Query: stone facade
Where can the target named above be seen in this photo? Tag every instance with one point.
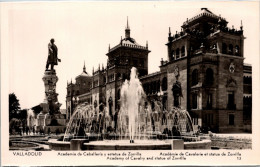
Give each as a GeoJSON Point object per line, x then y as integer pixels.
{"type": "Point", "coordinates": [204, 74]}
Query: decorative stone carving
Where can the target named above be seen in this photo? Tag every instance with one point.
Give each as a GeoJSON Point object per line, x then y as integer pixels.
{"type": "Point", "coordinates": [231, 67]}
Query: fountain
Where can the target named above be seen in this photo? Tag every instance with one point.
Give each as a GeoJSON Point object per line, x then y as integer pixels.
{"type": "Point", "coordinates": [146, 127]}
{"type": "Point", "coordinates": [31, 120]}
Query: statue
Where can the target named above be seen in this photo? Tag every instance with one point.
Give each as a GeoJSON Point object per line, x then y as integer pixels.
{"type": "Point", "coordinates": [52, 55]}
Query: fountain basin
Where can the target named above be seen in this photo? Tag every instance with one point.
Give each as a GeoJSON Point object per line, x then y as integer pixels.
{"type": "Point", "coordinates": [170, 144]}
{"type": "Point", "coordinates": [126, 145]}
{"type": "Point", "coordinates": [54, 144]}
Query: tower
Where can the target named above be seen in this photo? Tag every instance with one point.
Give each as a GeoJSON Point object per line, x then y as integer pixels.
{"type": "Point", "coordinates": [208, 58]}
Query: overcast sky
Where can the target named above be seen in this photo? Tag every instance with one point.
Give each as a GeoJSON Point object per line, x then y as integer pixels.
{"type": "Point", "coordinates": [83, 31]}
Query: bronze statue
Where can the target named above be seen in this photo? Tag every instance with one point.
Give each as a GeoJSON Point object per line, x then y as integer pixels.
{"type": "Point", "coordinates": [52, 55]}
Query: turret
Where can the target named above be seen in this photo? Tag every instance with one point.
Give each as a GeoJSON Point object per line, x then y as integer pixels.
{"type": "Point", "coordinates": [127, 30]}
{"type": "Point", "coordinates": [84, 68]}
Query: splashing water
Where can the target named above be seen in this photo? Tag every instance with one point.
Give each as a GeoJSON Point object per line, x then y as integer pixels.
{"type": "Point", "coordinates": [132, 96]}
{"type": "Point", "coordinates": [31, 121]}
{"type": "Point", "coordinates": [135, 120]}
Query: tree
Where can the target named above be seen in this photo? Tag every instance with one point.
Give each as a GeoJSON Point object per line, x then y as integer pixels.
{"type": "Point", "coordinates": [22, 115]}
{"type": "Point", "coordinates": [14, 106]}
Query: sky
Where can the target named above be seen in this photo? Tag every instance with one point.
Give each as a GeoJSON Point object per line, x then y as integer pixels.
{"type": "Point", "coordinates": [84, 30]}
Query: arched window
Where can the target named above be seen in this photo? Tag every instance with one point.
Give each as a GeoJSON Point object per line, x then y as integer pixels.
{"type": "Point", "coordinates": [230, 49]}
{"type": "Point", "coordinates": [164, 84]}
{"type": "Point", "coordinates": [150, 88]}
{"type": "Point", "coordinates": [158, 86]}
{"type": "Point", "coordinates": [154, 87]}
{"type": "Point", "coordinates": [237, 50]}
{"type": "Point", "coordinates": [194, 77]}
{"type": "Point", "coordinates": [182, 51]}
{"type": "Point", "coordinates": [224, 48]}
{"type": "Point", "coordinates": [177, 53]}
{"type": "Point", "coordinates": [177, 94]}
{"type": "Point", "coordinates": [209, 76]}
{"type": "Point", "coordinates": [194, 101]}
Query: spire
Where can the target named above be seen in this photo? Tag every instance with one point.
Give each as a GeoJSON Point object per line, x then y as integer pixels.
{"type": "Point", "coordinates": [147, 44]}
{"type": "Point", "coordinates": [127, 30]}
{"type": "Point", "coordinates": [169, 31]}
{"type": "Point", "coordinates": [93, 71]}
{"type": "Point", "coordinates": [109, 48]}
{"type": "Point", "coordinates": [127, 26]}
{"type": "Point", "coordinates": [84, 67]}
{"type": "Point", "coordinates": [71, 81]}
{"type": "Point", "coordinates": [241, 27]}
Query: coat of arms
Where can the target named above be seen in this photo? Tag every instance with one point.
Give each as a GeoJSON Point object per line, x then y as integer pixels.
{"type": "Point", "coordinates": [232, 67]}
{"type": "Point", "coordinates": [176, 71]}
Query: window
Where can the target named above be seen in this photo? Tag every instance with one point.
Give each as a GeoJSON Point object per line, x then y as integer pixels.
{"type": "Point", "coordinates": [194, 101]}
{"type": "Point", "coordinates": [209, 76]}
{"type": "Point", "coordinates": [195, 120]}
{"type": "Point", "coordinates": [153, 105]}
{"type": "Point", "coordinates": [231, 119]}
{"type": "Point", "coordinates": [141, 62]}
{"type": "Point", "coordinates": [164, 102]}
{"type": "Point", "coordinates": [224, 48]}
{"type": "Point", "coordinates": [231, 101]}
{"type": "Point", "coordinates": [182, 51]}
{"type": "Point", "coordinates": [177, 53]}
{"type": "Point", "coordinates": [158, 86]}
{"type": "Point", "coordinates": [111, 78]}
{"type": "Point", "coordinates": [230, 49]}
{"type": "Point", "coordinates": [164, 84]}
{"type": "Point", "coordinates": [209, 101]}
{"type": "Point", "coordinates": [194, 77]}
{"type": "Point", "coordinates": [209, 119]}
{"type": "Point", "coordinates": [118, 93]}
{"type": "Point", "coordinates": [154, 87]}
{"type": "Point", "coordinates": [118, 75]}
{"type": "Point", "coordinates": [95, 83]}
{"type": "Point", "coordinates": [135, 62]}
{"type": "Point", "coordinates": [177, 94]}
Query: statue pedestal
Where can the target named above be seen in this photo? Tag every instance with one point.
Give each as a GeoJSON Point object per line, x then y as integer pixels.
{"type": "Point", "coordinates": [50, 119]}
{"type": "Point", "coordinates": [50, 79]}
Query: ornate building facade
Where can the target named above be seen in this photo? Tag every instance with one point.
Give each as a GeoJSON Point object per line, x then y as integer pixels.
{"type": "Point", "coordinates": [204, 74]}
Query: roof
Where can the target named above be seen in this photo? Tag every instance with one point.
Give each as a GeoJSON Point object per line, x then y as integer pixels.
{"type": "Point", "coordinates": [205, 11]}
{"type": "Point", "coordinates": [83, 74]}
{"type": "Point", "coordinates": [201, 13]}
{"type": "Point", "coordinates": [150, 75]}
{"type": "Point", "coordinates": [128, 42]}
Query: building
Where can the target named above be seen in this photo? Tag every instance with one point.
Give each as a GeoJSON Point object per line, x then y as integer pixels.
{"type": "Point", "coordinates": [204, 74]}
